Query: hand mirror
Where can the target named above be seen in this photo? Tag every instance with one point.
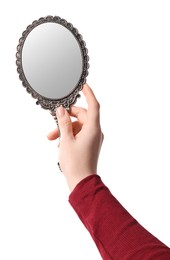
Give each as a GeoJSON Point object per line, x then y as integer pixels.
{"type": "Point", "coordinates": [52, 62]}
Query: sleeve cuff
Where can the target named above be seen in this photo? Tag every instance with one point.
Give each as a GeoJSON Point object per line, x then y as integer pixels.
{"type": "Point", "coordinates": [84, 186]}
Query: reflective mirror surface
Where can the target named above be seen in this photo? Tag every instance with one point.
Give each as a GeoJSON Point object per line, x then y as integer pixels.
{"type": "Point", "coordinates": [52, 60]}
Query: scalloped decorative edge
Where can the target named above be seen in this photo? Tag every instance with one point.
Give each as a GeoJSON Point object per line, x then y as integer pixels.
{"type": "Point", "coordinates": [70, 99]}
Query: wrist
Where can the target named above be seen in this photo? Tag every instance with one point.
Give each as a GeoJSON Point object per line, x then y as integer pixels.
{"type": "Point", "coordinates": [73, 181]}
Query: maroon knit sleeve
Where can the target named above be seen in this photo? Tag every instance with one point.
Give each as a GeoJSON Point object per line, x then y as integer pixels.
{"type": "Point", "coordinates": [116, 233]}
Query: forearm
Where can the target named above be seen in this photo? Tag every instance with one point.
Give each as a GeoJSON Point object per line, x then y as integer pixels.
{"type": "Point", "coordinates": [116, 233]}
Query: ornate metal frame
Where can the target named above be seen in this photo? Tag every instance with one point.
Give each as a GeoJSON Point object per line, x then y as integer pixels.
{"type": "Point", "coordinates": [71, 98]}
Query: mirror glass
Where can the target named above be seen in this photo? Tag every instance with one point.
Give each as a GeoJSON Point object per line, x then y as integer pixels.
{"type": "Point", "coordinates": [52, 62]}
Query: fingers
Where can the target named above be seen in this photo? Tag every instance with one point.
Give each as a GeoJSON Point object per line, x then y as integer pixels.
{"type": "Point", "coordinates": [69, 129]}
{"type": "Point", "coordinates": [76, 126]}
{"type": "Point", "coordinates": [53, 135]}
{"type": "Point", "coordinates": [93, 104]}
{"type": "Point", "coordinates": [64, 122]}
{"type": "Point", "coordinates": [78, 112]}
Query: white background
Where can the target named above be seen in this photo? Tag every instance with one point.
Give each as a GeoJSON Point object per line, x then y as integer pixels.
{"type": "Point", "coordinates": [129, 49]}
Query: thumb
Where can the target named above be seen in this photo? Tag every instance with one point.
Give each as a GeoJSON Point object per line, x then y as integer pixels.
{"type": "Point", "coordinates": [64, 122]}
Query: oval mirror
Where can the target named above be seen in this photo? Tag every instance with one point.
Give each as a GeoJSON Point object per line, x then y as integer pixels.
{"type": "Point", "coordinates": [52, 62]}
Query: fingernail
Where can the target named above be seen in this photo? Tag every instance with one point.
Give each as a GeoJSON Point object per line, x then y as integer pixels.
{"type": "Point", "coordinates": [60, 111]}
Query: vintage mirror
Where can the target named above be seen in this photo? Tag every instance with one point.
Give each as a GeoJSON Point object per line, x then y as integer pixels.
{"type": "Point", "coordinates": [52, 62]}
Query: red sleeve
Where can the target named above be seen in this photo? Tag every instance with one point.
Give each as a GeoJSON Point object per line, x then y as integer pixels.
{"type": "Point", "coordinates": [116, 233]}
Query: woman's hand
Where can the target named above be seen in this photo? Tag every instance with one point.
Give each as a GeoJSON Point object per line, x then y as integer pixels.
{"type": "Point", "coordinates": [80, 141]}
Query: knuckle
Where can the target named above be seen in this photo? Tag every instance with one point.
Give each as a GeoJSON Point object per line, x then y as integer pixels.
{"type": "Point", "coordinates": [96, 130]}
{"type": "Point", "coordinates": [66, 122]}
{"type": "Point", "coordinates": [102, 137]}
{"type": "Point", "coordinates": [97, 105]}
